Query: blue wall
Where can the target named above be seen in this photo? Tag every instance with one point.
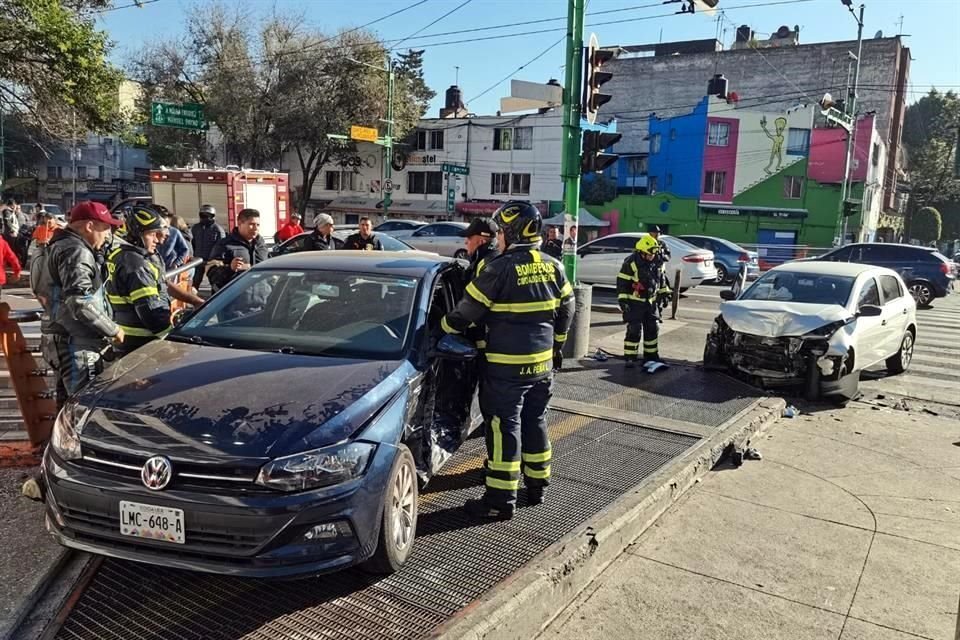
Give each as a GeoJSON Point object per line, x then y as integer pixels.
{"type": "Point", "coordinates": [682, 143]}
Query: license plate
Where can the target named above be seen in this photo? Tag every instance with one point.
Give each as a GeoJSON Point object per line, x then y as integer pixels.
{"type": "Point", "coordinates": [151, 522]}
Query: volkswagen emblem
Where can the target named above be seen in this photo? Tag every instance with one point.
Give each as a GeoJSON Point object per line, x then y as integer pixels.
{"type": "Point", "coordinates": [157, 473]}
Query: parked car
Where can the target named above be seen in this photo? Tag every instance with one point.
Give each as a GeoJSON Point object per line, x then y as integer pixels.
{"type": "Point", "coordinates": [28, 209]}
{"type": "Point", "coordinates": [601, 259]}
{"type": "Point", "coordinates": [391, 227]}
{"type": "Point", "coordinates": [815, 324]}
{"type": "Point", "coordinates": [928, 273]}
{"type": "Point", "coordinates": [272, 440]}
{"type": "Point", "coordinates": [728, 257]}
{"type": "Point", "coordinates": [438, 237]}
{"type": "Point", "coordinates": [296, 243]}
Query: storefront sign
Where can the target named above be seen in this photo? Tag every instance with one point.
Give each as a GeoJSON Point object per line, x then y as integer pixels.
{"type": "Point", "coordinates": [737, 212]}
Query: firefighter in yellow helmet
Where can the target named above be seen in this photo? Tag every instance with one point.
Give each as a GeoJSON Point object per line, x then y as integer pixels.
{"type": "Point", "coordinates": [638, 285]}
{"type": "Point", "coordinates": [136, 287]}
{"type": "Point", "coordinates": [525, 301]}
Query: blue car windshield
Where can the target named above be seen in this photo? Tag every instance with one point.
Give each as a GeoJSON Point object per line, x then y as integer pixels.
{"type": "Point", "coordinates": [312, 312]}
{"type": "Point", "coordinates": [809, 288]}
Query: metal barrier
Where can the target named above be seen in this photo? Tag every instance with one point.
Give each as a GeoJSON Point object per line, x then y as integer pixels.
{"type": "Point", "coordinates": [36, 402]}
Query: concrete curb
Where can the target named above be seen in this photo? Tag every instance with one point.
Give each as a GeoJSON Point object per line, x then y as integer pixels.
{"type": "Point", "coordinates": [521, 606]}
{"type": "Point", "coordinates": [35, 594]}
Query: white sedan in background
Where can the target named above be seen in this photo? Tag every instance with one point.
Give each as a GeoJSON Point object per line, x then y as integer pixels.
{"type": "Point", "coordinates": [600, 260]}
{"type": "Point", "coordinates": [439, 237]}
{"type": "Point", "coordinates": [817, 324]}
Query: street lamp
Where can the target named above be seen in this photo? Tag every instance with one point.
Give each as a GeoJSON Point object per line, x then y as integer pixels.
{"type": "Point", "coordinates": [845, 188]}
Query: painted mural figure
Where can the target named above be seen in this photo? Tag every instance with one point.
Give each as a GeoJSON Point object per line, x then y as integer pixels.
{"type": "Point", "coordinates": [776, 151]}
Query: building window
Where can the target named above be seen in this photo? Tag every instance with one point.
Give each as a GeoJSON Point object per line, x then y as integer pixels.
{"type": "Point", "coordinates": [637, 166]}
{"type": "Point", "coordinates": [876, 154]}
{"type": "Point", "coordinates": [53, 173]}
{"type": "Point", "coordinates": [351, 219]}
{"type": "Point", "coordinates": [521, 184]}
{"type": "Point", "coordinates": [420, 140]}
{"type": "Point", "coordinates": [517, 138]}
{"type": "Point", "coordinates": [500, 183]}
{"type": "Point", "coordinates": [81, 173]}
{"type": "Point", "coordinates": [652, 185]}
{"type": "Point", "coordinates": [715, 182]}
{"type": "Point", "coordinates": [436, 139]}
{"type": "Point", "coordinates": [669, 180]}
{"type": "Point", "coordinates": [425, 182]}
{"type": "Point", "coordinates": [655, 143]}
{"type": "Point", "coordinates": [718, 134]}
{"type": "Point", "coordinates": [792, 187]}
{"type": "Point", "coordinates": [340, 181]}
{"type": "Point", "coordinates": [673, 134]}
{"type": "Point", "coordinates": [101, 172]}
{"type": "Point", "coordinates": [798, 142]}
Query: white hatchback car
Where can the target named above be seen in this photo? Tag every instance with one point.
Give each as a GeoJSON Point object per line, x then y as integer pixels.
{"type": "Point", "coordinates": [818, 324]}
{"type": "Point", "coordinates": [600, 260]}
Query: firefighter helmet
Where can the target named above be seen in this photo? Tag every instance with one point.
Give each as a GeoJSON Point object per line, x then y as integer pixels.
{"type": "Point", "coordinates": [140, 220]}
{"type": "Point", "coordinates": [647, 244]}
{"type": "Point", "coordinates": [519, 221]}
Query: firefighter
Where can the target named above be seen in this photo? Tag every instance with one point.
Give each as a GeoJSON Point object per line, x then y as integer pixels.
{"type": "Point", "coordinates": [638, 286]}
{"type": "Point", "coordinates": [664, 292]}
{"type": "Point", "coordinates": [525, 301]}
{"type": "Point", "coordinates": [136, 287]}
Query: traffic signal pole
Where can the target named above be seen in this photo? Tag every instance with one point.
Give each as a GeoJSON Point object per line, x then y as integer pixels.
{"type": "Point", "coordinates": [572, 91]}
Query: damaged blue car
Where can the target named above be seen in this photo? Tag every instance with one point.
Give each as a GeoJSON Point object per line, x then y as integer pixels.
{"type": "Point", "coordinates": [283, 429]}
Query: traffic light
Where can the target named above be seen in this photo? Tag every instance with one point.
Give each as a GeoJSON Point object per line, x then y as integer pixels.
{"type": "Point", "coordinates": [850, 208]}
{"type": "Point", "coordinates": [594, 145]}
{"type": "Point", "coordinates": [593, 77]}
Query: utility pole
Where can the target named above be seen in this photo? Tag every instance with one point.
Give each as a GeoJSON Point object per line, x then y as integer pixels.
{"type": "Point", "coordinates": [73, 160]}
{"type": "Point", "coordinates": [851, 134]}
{"type": "Point", "coordinates": [572, 91]}
{"type": "Point", "coordinates": [387, 168]}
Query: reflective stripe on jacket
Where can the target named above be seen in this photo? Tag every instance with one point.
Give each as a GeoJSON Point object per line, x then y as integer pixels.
{"type": "Point", "coordinates": [138, 293]}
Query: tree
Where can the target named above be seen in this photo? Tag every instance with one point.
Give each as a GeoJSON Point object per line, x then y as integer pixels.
{"type": "Point", "coordinates": [927, 225]}
{"type": "Point", "coordinates": [409, 69]}
{"type": "Point", "coordinates": [930, 136]}
{"type": "Point", "coordinates": [54, 66]}
{"type": "Point", "coordinates": [598, 189]}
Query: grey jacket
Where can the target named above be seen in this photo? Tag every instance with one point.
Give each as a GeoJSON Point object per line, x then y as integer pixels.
{"type": "Point", "coordinates": [78, 298]}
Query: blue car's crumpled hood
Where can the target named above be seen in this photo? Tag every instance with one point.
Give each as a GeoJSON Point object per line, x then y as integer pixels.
{"type": "Point", "coordinates": [207, 402]}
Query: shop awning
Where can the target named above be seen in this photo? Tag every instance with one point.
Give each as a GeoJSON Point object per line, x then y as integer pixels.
{"type": "Point", "coordinates": [584, 219]}
{"type": "Point", "coordinates": [734, 211]}
{"type": "Point", "coordinates": [353, 204]}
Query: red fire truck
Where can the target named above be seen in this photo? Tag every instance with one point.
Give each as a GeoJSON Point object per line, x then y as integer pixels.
{"type": "Point", "coordinates": [229, 190]}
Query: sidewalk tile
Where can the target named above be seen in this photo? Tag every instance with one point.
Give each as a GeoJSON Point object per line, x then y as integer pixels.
{"type": "Point", "coordinates": [644, 600]}
{"type": "Point", "coordinates": [858, 630]}
{"type": "Point", "coordinates": [797, 557]}
{"type": "Point", "coordinates": [904, 586]}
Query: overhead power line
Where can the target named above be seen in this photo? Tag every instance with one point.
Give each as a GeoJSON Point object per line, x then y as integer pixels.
{"type": "Point", "coordinates": [455, 9]}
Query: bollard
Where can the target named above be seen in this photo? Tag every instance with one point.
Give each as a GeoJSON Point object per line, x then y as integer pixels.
{"type": "Point", "coordinates": [578, 338]}
{"type": "Point", "coordinates": [676, 295]}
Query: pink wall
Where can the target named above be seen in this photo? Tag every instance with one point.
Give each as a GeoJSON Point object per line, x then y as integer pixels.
{"type": "Point", "coordinates": [828, 148]}
{"type": "Point", "coordinates": [721, 159]}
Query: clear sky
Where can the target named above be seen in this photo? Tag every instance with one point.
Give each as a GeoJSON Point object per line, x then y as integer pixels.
{"type": "Point", "coordinates": [931, 27]}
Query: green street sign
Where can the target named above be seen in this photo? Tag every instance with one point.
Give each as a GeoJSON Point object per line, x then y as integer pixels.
{"type": "Point", "coordinates": [180, 116]}
{"type": "Point", "coordinates": [455, 169]}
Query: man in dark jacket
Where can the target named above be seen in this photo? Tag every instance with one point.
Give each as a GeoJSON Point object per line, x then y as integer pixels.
{"type": "Point", "coordinates": [206, 234]}
{"type": "Point", "coordinates": [481, 245]}
{"type": "Point", "coordinates": [553, 246]}
{"type": "Point", "coordinates": [240, 250]}
{"type": "Point", "coordinates": [80, 322]}
{"type": "Point", "coordinates": [365, 240]}
{"type": "Point", "coordinates": [322, 237]}
{"type": "Point", "coordinates": [527, 304]}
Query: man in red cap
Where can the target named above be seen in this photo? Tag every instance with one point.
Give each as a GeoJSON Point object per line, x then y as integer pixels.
{"type": "Point", "coordinates": [78, 322]}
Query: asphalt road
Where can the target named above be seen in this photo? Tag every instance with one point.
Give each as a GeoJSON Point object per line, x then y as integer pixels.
{"type": "Point", "coordinates": [932, 377]}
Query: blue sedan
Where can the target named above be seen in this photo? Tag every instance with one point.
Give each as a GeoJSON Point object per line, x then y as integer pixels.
{"type": "Point", "coordinates": [728, 257]}
{"type": "Point", "coordinates": [283, 429]}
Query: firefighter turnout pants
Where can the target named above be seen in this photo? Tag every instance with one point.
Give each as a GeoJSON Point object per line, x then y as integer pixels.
{"type": "Point", "coordinates": [515, 425]}
{"type": "Point", "coordinates": [642, 330]}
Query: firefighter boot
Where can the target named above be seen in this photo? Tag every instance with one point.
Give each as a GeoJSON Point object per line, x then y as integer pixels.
{"type": "Point", "coordinates": [480, 509]}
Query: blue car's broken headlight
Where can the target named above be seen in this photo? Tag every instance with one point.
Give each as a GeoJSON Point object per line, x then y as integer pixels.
{"type": "Point", "coordinates": [317, 468]}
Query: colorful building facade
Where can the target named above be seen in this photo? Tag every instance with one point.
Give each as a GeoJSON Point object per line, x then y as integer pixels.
{"type": "Point", "coordinates": [753, 177]}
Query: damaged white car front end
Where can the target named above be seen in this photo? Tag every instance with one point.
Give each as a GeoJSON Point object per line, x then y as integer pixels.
{"type": "Point", "coordinates": [780, 344]}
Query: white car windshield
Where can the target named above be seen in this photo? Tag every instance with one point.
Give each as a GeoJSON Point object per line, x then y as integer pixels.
{"type": "Point", "coordinates": [809, 288]}
{"type": "Point", "coordinates": [313, 312]}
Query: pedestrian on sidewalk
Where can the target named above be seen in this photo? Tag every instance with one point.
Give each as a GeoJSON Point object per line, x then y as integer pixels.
{"type": "Point", "coordinates": [525, 301]}
{"type": "Point", "coordinates": [8, 260]}
{"type": "Point", "coordinates": [638, 285]}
